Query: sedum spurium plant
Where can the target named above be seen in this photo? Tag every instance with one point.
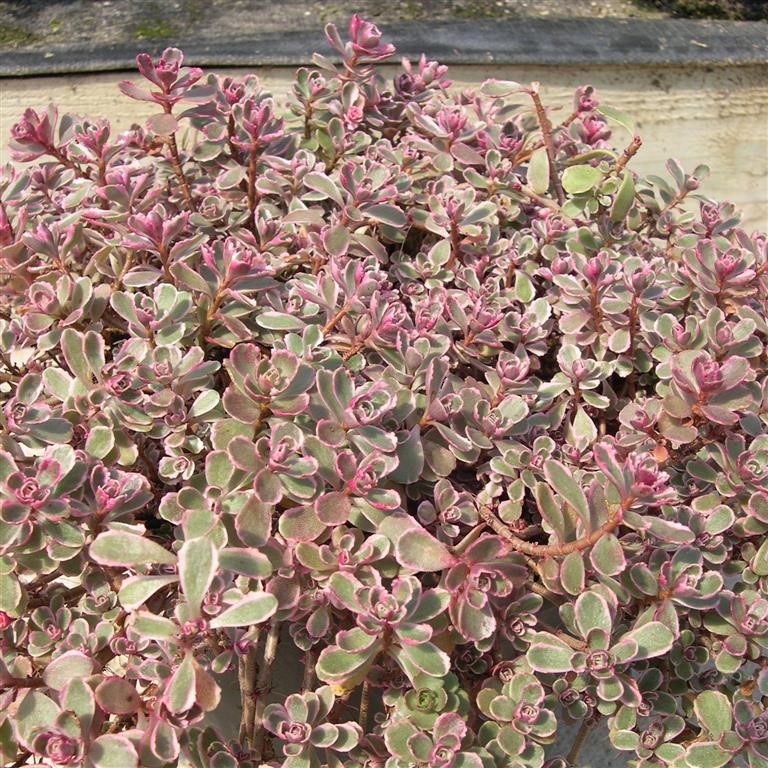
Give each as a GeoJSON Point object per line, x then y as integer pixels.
{"type": "Point", "coordinates": [426, 390]}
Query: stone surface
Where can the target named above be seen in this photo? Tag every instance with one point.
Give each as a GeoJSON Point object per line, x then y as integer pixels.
{"type": "Point", "coordinates": [43, 25]}
{"type": "Point", "coordinates": [40, 24]}
{"type": "Point", "coordinates": [557, 41]}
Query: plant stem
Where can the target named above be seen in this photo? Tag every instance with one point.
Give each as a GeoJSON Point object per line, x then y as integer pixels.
{"type": "Point", "coordinates": [213, 308]}
{"type": "Point", "coordinates": [548, 550]}
{"type": "Point", "coordinates": [68, 594]}
{"type": "Point", "coordinates": [262, 684]}
{"type": "Point", "coordinates": [331, 324]}
{"type": "Point", "coordinates": [546, 134]}
{"type": "Point", "coordinates": [231, 133]}
{"type": "Point", "coordinates": [474, 534]}
{"type": "Point", "coordinates": [263, 413]}
{"type": "Point", "coordinates": [539, 144]}
{"type": "Point", "coordinates": [629, 382]}
{"type": "Point", "coordinates": [247, 678]}
{"type": "Point", "coordinates": [455, 246]}
{"type": "Point", "coordinates": [25, 755]}
{"type": "Point", "coordinates": [21, 682]}
{"type": "Point", "coordinates": [252, 158]}
{"type": "Point", "coordinates": [164, 260]}
{"type": "Point", "coordinates": [578, 742]}
{"type": "Point", "coordinates": [308, 110]}
{"type": "Point", "coordinates": [61, 156]}
{"type": "Point", "coordinates": [177, 169]}
{"type": "Point", "coordinates": [365, 695]}
{"type": "Point", "coordinates": [628, 154]}
{"type": "Point", "coordinates": [354, 349]}
{"type": "Point", "coordinates": [309, 670]}
{"type": "Point", "coordinates": [339, 706]}
{"type": "Point", "coordinates": [546, 203]}
{"type": "Point", "coordinates": [7, 218]}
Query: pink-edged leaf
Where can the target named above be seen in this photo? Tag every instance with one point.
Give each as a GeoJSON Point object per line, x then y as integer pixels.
{"type": "Point", "coordinates": [207, 690]}
{"type": "Point", "coordinates": [179, 695]}
{"type": "Point", "coordinates": [134, 92]}
{"type": "Point", "coordinates": [112, 751]}
{"type": "Point", "coordinates": [564, 483]}
{"type": "Point", "coordinates": [69, 666]}
{"type": "Point", "coordinates": [122, 548]}
{"type": "Point", "coordinates": [644, 642]}
{"type": "Point", "coordinates": [117, 696]}
{"type": "Point", "coordinates": [252, 609]}
{"type": "Point", "coordinates": [267, 487]}
{"type": "Point", "coordinates": [198, 562]}
{"type": "Point", "coordinates": [301, 524]}
{"type": "Point", "coordinates": [333, 508]}
{"type": "Point", "coordinates": [415, 548]}
{"type": "Point", "coordinates": [246, 562]}
{"type": "Point", "coordinates": [162, 124]}
{"type": "Point", "coordinates": [547, 653]}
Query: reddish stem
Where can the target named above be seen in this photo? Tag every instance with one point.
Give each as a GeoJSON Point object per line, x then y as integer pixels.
{"type": "Point", "coordinates": [628, 154]}
{"type": "Point", "coordinates": [177, 169]}
{"type": "Point", "coordinates": [546, 133]}
{"type": "Point", "coordinates": [549, 550]}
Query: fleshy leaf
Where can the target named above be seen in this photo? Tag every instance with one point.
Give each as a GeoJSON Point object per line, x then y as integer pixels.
{"type": "Point", "coordinates": [198, 561]}
{"type": "Point", "coordinates": [561, 479]}
{"type": "Point", "coordinates": [548, 654]}
{"type": "Point", "coordinates": [253, 609]}
{"type": "Point", "coordinates": [128, 549]}
{"type": "Point", "coordinates": [714, 712]}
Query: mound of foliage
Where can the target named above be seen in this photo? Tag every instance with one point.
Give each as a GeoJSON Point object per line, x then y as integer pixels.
{"type": "Point", "coordinates": [425, 393]}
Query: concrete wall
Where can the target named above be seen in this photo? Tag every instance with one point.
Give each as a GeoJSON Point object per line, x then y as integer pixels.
{"type": "Point", "coordinates": [703, 114]}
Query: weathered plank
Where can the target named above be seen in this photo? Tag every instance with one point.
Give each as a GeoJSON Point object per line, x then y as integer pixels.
{"type": "Point", "coordinates": [714, 115]}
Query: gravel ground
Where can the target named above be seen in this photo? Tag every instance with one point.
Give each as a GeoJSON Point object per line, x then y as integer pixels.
{"type": "Point", "coordinates": [37, 24]}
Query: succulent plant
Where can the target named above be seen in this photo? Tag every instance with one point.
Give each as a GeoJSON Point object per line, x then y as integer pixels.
{"type": "Point", "coordinates": [301, 724]}
{"type": "Point", "coordinates": [424, 392]}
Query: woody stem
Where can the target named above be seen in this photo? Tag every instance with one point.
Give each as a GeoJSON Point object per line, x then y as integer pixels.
{"type": "Point", "coordinates": [546, 134]}
{"type": "Point", "coordinates": [331, 324]}
{"type": "Point", "coordinates": [548, 550]}
{"type": "Point", "coordinates": [177, 169]}
{"type": "Point", "coordinates": [309, 670]}
{"type": "Point", "coordinates": [365, 695]}
{"type": "Point", "coordinates": [630, 151]}
{"type": "Point", "coordinates": [252, 197]}
{"type": "Point", "coordinates": [578, 742]}
{"type": "Point", "coordinates": [247, 679]}
{"type": "Point", "coordinates": [262, 684]}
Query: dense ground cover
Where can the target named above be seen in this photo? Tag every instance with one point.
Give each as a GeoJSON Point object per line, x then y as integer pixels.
{"type": "Point", "coordinates": [431, 379]}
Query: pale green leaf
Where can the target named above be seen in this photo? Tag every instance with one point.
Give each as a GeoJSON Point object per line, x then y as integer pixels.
{"type": "Point", "coordinates": [538, 171]}
{"type": "Point", "coordinates": [198, 561]}
{"type": "Point", "coordinates": [128, 549]}
{"type": "Point", "coordinates": [581, 178]}
{"type": "Point", "coordinates": [714, 712]}
{"type": "Point", "coordinates": [253, 609]}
